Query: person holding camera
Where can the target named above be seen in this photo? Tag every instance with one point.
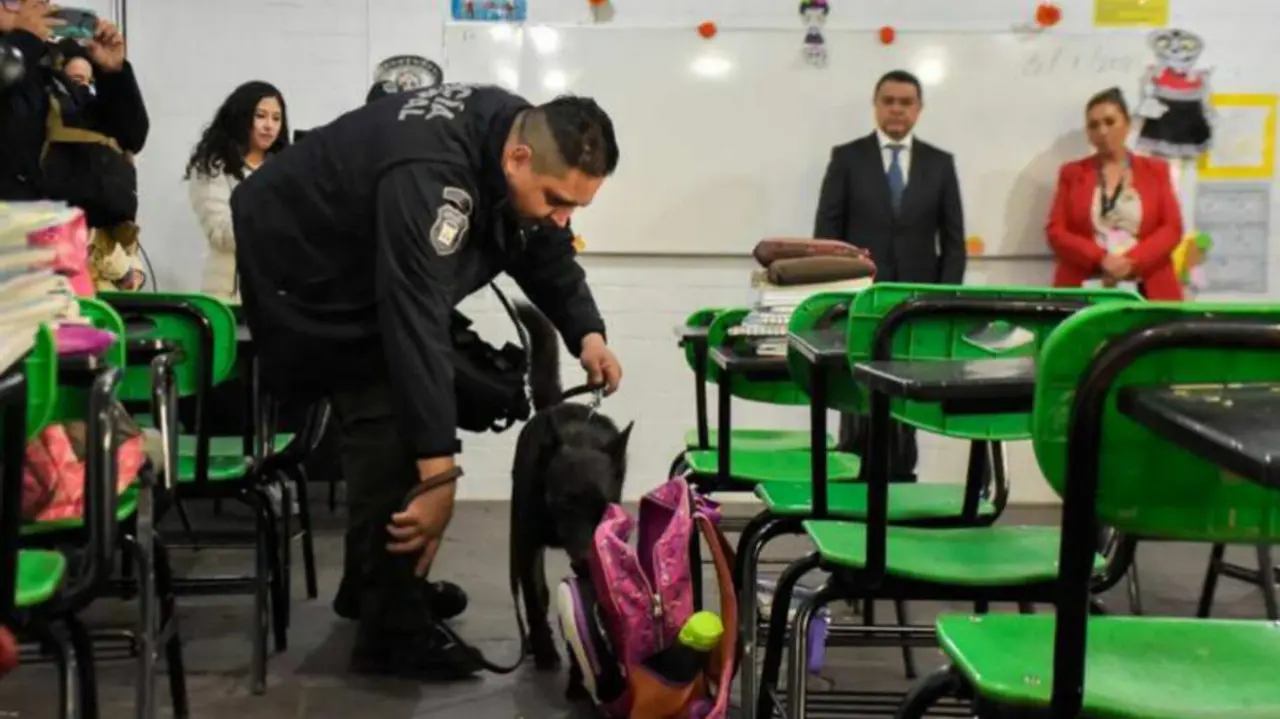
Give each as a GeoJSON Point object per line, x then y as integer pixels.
{"type": "Point", "coordinates": [114, 108]}
{"type": "Point", "coordinates": [354, 247]}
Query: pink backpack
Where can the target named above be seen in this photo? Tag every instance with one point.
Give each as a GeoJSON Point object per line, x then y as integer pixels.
{"type": "Point", "coordinates": [634, 602]}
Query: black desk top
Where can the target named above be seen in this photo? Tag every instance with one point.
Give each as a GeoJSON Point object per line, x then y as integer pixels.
{"type": "Point", "coordinates": [726, 358]}
{"type": "Point", "coordinates": [685, 333]}
{"type": "Point", "coordinates": [1237, 427]}
{"type": "Point", "coordinates": [1012, 380]}
{"type": "Point", "coordinates": [824, 346]}
{"type": "Point", "coordinates": [79, 369]}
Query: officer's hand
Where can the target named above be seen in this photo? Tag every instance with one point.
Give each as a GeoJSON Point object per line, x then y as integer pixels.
{"type": "Point", "coordinates": [107, 47]}
{"type": "Point", "coordinates": [420, 527]}
{"type": "Point", "coordinates": [601, 365]}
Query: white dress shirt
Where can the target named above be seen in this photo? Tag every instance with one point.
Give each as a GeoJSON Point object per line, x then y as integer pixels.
{"type": "Point", "coordinates": [904, 155]}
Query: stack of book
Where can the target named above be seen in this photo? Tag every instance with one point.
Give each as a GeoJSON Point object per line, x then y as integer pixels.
{"type": "Point", "coordinates": [772, 306]}
{"type": "Point", "coordinates": [32, 293]}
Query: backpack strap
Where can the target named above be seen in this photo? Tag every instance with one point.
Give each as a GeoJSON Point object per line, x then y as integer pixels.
{"type": "Point", "coordinates": [56, 131]}
{"type": "Point", "coordinates": [722, 555]}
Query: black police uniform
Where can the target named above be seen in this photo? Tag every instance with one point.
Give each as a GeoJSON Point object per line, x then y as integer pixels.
{"type": "Point", "coordinates": [353, 248]}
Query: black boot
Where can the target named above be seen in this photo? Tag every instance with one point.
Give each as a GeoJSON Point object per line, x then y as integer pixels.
{"type": "Point", "coordinates": [445, 600]}
{"type": "Point", "coordinates": [399, 636]}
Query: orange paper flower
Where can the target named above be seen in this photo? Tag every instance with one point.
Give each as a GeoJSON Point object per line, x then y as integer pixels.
{"type": "Point", "coordinates": [1048, 14]}
{"type": "Point", "coordinates": [597, 3]}
{"type": "Point", "coordinates": [888, 35]}
{"type": "Point", "coordinates": [707, 30]}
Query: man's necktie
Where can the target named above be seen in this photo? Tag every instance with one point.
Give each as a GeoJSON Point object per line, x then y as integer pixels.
{"type": "Point", "coordinates": [897, 182]}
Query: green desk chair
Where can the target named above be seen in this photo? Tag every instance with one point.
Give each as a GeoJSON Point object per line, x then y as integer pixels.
{"type": "Point", "coordinates": [147, 574]}
{"type": "Point", "coordinates": [1110, 470]}
{"type": "Point", "coordinates": [883, 557]}
{"type": "Point", "coordinates": [730, 468]}
{"type": "Point", "coordinates": [200, 334]}
{"type": "Point", "coordinates": [47, 591]}
{"type": "Point", "coordinates": [702, 437]}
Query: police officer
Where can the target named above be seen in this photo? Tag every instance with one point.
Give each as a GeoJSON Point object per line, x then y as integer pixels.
{"type": "Point", "coordinates": [353, 248]}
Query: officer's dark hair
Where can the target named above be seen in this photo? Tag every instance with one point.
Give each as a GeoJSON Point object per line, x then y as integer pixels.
{"type": "Point", "coordinates": [900, 76]}
{"type": "Point", "coordinates": [570, 133]}
{"type": "Point", "coordinates": [1113, 96]}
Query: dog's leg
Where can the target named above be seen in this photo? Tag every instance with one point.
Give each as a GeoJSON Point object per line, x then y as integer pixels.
{"type": "Point", "coordinates": [533, 585]}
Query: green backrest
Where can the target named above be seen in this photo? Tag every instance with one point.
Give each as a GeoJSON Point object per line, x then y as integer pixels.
{"type": "Point", "coordinates": [825, 309]}
{"type": "Point", "coordinates": [180, 319]}
{"type": "Point", "coordinates": [42, 382]}
{"type": "Point", "coordinates": [700, 318]}
{"type": "Point", "coordinates": [101, 315]}
{"type": "Point", "coordinates": [1148, 486]}
{"type": "Point", "coordinates": [781, 391]}
{"type": "Point", "coordinates": [943, 338]}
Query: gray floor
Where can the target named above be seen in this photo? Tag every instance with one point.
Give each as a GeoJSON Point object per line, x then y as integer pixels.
{"type": "Point", "coordinates": [309, 680]}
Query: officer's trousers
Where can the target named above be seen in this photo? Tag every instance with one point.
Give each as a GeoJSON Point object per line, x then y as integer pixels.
{"type": "Point", "coordinates": [379, 470]}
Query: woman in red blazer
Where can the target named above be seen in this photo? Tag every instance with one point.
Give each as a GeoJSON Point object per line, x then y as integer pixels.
{"type": "Point", "coordinates": [1115, 216]}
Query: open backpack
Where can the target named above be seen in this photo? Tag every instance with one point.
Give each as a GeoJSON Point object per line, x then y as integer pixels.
{"type": "Point", "coordinates": [626, 616]}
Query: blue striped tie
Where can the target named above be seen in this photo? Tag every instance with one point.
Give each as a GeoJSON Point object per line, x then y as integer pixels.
{"type": "Point", "coordinates": [897, 182]}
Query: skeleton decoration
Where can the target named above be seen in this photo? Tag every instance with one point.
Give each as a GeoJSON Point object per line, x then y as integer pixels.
{"type": "Point", "coordinates": [814, 13]}
{"type": "Point", "coordinates": [1175, 98]}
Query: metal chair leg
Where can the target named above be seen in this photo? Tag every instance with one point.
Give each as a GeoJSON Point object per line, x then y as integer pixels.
{"type": "Point", "coordinates": [174, 662]}
{"type": "Point", "coordinates": [86, 674]}
{"type": "Point", "coordinates": [262, 587]}
{"type": "Point", "coordinates": [1267, 581]}
{"type": "Point", "coordinates": [775, 644]}
{"type": "Point", "coordinates": [1211, 581]}
{"type": "Point", "coordinates": [940, 683]}
{"type": "Point", "coordinates": [762, 528]}
{"type": "Point", "coordinates": [908, 659]}
{"type": "Point", "coordinates": [55, 640]}
{"type": "Point", "coordinates": [308, 541]}
{"type": "Point", "coordinates": [798, 655]}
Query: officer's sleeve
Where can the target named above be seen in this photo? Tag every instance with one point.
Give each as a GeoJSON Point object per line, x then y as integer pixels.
{"type": "Point", "coordinates": [422, 223]}
{"type": "Point", "coordinates": [550, 276]}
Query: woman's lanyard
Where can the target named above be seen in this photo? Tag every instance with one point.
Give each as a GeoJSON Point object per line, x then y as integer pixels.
{"type": "Point", "coordinates": [1109, 203]}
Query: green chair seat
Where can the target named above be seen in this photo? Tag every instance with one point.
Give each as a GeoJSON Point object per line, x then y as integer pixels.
{"type": "Point", "coordinates": [758, 440]}
{"type": "Point", "coordinates": [126, 507]}
{"type": "Point", "coordinates": [760, 467]}
{"type": "Point", "coordinates": [40, 574]}
{"type": "Point", "coordinates": [232, 447]}
{"type": "Point", "coordinates": [970, 557]}
{"type": "Point", "coordinates": [1136, 667]}
{"type": "Point", "coordinates": [227, 461]}
{"type": "Point", "coordinates": [907, 502]}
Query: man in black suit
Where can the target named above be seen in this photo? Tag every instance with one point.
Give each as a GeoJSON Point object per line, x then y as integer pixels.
{"type": "Point", "coordinates": [899, 198]}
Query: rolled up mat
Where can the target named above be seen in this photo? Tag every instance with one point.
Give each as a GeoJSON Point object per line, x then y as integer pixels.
{"type": "Point", "coordinates": [773, 249]}
{"type": "Point", "coordinates": [816, 270]}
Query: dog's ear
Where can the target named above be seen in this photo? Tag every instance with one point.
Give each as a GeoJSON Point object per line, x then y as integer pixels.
{"type": "Point", "coordinates": [618, 447]}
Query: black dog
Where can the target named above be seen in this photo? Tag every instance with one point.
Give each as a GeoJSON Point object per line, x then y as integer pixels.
{"type": "Point", "coordinates": [570, 464]}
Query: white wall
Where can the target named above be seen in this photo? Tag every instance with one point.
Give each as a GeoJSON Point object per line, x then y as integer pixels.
{"type": "Point", "coordinates": [321, 53]}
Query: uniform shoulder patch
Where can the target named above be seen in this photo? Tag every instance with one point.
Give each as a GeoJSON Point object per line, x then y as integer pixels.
{"type": "Point", "coordinates": [449, 230]}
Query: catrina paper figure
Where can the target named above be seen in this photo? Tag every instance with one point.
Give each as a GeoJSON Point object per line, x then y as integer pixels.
{"type": "Point", "coordinates": [814, 14]}
{"type": "Point", "coordinates": [1175, 98]}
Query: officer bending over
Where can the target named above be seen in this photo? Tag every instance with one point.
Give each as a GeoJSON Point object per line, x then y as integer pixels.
{"type": "Point", "coordinates": [353, 248]}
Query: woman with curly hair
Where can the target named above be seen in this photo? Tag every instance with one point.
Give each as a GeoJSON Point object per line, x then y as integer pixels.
{"type": "Point", "coordinates": [250, 126]}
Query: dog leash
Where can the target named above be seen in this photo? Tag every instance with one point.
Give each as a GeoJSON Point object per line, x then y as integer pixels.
{"type": "Point", "coordinates": [597, 398]}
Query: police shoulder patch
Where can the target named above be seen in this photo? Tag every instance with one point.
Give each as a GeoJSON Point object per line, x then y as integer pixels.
{"type": "Point", "coordinates": [449, 230]}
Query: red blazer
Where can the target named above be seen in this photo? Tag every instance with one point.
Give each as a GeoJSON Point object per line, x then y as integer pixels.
{"type": "Point", "coordinates": [1071, 232]}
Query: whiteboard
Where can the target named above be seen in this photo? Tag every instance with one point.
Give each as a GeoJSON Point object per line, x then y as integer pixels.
{"type": "Point", "coordinates": [725, 141]}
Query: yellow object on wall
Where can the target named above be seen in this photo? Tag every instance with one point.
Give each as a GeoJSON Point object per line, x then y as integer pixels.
{"type": "Point", "coordinates": [1244, 143]}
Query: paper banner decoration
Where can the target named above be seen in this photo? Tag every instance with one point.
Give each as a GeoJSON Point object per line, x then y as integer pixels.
{"type": "Point", "coordinates": [601, 10]}
{"type": "Point", "coordinates": [490, 10]}
{"type": "Point", "coordinates": [1188, 262]}
{"type": "Point", "coordinates": [1048, 14]}
{"type": "Point", "coordinates": [1174, 104]}
{"type": "Point", "coordinates": [814, 14]}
